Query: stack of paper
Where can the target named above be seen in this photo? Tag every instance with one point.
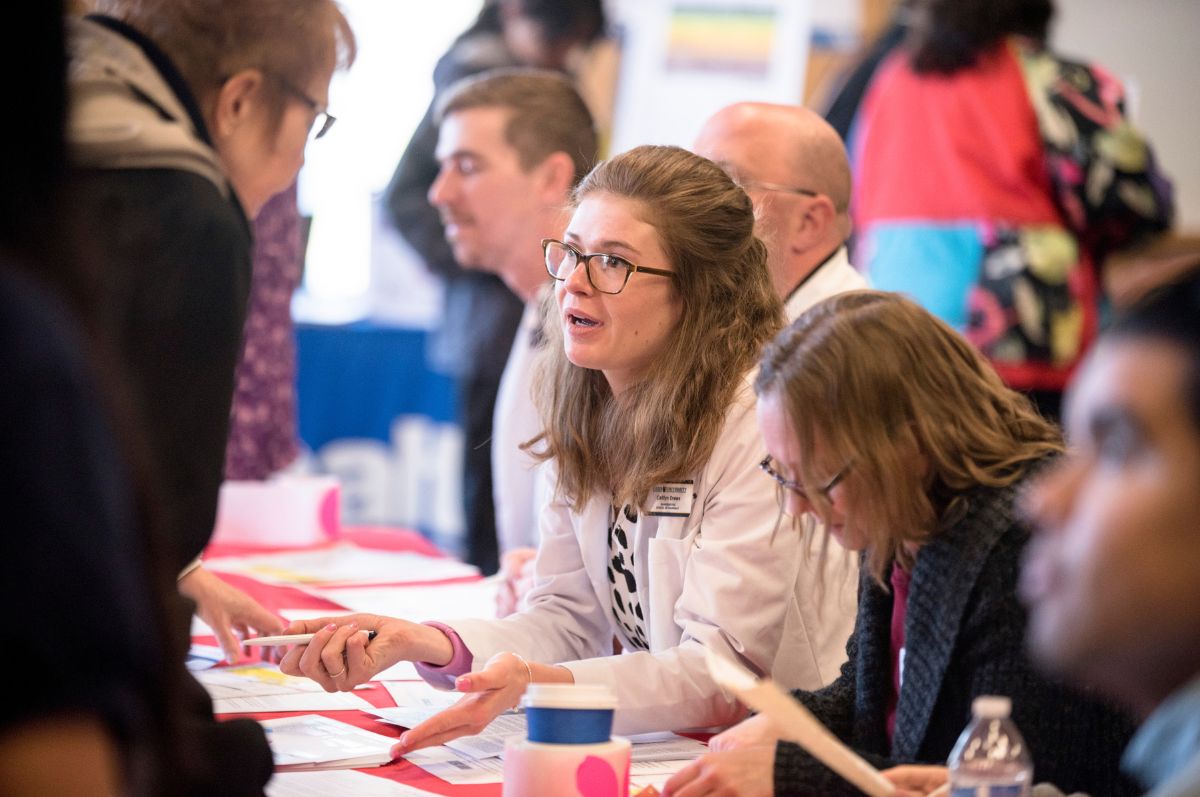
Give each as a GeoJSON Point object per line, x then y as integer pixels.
{"type": "Point", "coordinates": [262, 687]}
{"type": "Point", "coordinates": [311, 741]}
{"type": "Point", "coordinates": [479, 759]}
{"type": "Point", "coordinates": [346, 781]}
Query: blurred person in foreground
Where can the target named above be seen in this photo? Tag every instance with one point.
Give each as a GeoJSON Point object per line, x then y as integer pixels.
{"type": "Point", "coordinates": [512, 144]}
{"type": "Point", "coordinates": [480, 313]}
{"type": "Point", "coordinates": [890, 428]}
{"type": "Point", "coordinates": [1110, 578]}
{"type": "Point", "coordinates": [186, 117]}
{"type": "Point", "coordinates": [794, 166]}
{"type": "Point", "coordinates": [92, 709]}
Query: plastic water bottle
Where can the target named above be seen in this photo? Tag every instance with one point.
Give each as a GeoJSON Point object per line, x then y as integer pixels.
{"type": "Point", "coordinates": [990, 758]}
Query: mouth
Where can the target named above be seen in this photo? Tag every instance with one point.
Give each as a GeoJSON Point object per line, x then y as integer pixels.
{"type": "Point", "coordinates": [579, 320]}
{"type": "Point", "coordinates": [1039, 577]}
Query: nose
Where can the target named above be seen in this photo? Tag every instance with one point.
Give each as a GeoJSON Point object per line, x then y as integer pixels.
{"type": "Point", "coordinates": [796, 504]}
{"type": "Point", "coordinates": [1049, 500]}
{"type": "Point", "coordinates": [577, 280]}
{"type": "Point", "coordinates": [441, 189]}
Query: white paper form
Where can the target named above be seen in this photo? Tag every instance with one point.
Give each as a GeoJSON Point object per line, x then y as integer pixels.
{"type": "Point", "coordinates": [462, 600]}
{"type": "Point", "coordinates": [653, 773]}
{"type": "Point", "coordinates": [253, 680]}
{"type": "Point", "coordinates": [650, 747]}
{"type": "Point", "coordinates": [300, 701]}
{"type": "Point", "coordinates": [400, 671]}
{"type": "Point", "coordinates": [463, 770]}
{"type": "Point", "coordinates": [310, 741]}
{"type": "Point", "coordinates": [338, 781]}
{"type": "Point", "coordinates": [203, 657]}
{"type": "Point", "coordinates": [262, 687]}
{"type": "Point", "coordinates": [343, 563]}
{"type": "Point", "coordinates": [457, 769]}
{"type": "Point", "coordinates": [658, 748]}
{"type": "Point", "coordinates": [488, 743]}
{"type": "Point", "coordinates": [418, 694]}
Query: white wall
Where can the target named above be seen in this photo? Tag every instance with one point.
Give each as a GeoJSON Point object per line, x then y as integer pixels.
{"type": "Point", "coordinates": [1152, 45]}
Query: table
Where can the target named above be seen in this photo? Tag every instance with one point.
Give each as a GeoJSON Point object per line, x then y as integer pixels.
{"type": "Point", "coordinates": [276, 597]}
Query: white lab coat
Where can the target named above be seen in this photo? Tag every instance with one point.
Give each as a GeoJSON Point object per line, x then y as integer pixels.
{"type": "Point", "coordinates": [710, 579]}
{"type": "Point", "coordinates": [834, 276]}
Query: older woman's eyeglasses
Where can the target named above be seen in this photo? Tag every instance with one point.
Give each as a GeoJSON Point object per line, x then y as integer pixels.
{"type": "Point", "coordinates": [609, 274]}
{"type": "Point", "coordinates": [796, 487]}
{"type": "Point", "coordinates": [322, 119]}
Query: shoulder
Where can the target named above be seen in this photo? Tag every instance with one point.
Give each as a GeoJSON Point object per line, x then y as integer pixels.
{"type": "Point", "coordinates": [166, 204]}
{"type": "Point", "coordinates": [739, 444]}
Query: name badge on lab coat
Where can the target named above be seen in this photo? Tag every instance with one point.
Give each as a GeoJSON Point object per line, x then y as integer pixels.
{"type": "Point", "coordinates": [673, 499]}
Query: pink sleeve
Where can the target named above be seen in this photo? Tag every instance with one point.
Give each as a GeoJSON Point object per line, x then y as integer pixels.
{"type": "Point", "coordinates": [460, 662]}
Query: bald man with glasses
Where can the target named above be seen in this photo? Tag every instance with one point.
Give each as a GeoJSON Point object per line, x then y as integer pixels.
{"type": "Point", "coordinates": [794, 167]}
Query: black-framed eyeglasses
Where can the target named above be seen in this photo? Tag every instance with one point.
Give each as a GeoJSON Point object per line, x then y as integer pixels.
{"type": "Point", "coordinates": [796, 487]}
{"type": "Point", "coordinates": [787, 189]}
{"type": "Point", "coordinates": [610, 274]}
{"type": "Point", "coordinates": [322, 118]}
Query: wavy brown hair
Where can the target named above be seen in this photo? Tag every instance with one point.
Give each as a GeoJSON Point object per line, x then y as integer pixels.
{"type": "Point", "coordinates": [664, 427]}
{"type": "Point", "coordinates": [880, 384]}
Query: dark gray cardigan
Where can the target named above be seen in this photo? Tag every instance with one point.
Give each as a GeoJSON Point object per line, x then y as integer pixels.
{"type": "Point", "coordinates": [964, 637]}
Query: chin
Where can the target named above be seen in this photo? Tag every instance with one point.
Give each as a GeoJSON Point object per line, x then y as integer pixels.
{"type": "Point", "coordinates": [1051, 644]}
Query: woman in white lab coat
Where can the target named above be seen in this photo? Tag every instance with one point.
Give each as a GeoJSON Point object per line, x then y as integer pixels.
{"type": "Point", "coordinates": [660, 530]}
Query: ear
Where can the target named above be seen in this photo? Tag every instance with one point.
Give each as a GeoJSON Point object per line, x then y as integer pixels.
{"type": "Point", "coordinates": [811, 227]}
{"type": "Point", "coordinates": [556, 175]}
{"type": "Point", "coordinates": [236, 101]}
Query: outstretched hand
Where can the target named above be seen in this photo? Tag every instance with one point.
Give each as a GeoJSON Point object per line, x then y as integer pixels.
{"type": "Point", "coordinates": [232, 614]}
{"type": "Point", "coordinates": [489, 693]}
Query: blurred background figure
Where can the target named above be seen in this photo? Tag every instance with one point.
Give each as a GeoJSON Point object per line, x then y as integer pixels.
{"type": "Point", "coordinates": [794, 167]}
{"type": "Point", "coordinates": [512, 144]}
{"type": "Point", "coordinates": [846, 98]}
{"type": "Point", "coordinates": [263, 437]}
{"type": "Point", "coordinates": [480, 315]}
{"type": "Point", "coordinates": [187, 116]}
{"type": "Point", "coordinates": [992, 180]}
{"type": "Point", "coordinates": [91, 707]}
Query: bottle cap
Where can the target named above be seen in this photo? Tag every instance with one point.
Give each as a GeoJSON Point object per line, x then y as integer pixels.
{"type": "Point", "coordinates": [991, 707]}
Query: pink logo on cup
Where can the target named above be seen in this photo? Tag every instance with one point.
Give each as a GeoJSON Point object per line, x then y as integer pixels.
{"type": "Point", "coordinates": [596, 778]}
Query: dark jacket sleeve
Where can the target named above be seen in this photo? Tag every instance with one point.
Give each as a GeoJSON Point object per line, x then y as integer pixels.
{"type": "Point", "coordinates": [175, 266]}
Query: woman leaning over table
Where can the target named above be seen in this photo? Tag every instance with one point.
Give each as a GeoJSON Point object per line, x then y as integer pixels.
{"type": "Point", "coordinates": [884, 423]}
{"type": "Point", "coordinates": [645, 391]}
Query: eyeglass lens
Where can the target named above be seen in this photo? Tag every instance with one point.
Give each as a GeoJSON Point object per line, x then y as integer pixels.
{"type": "Point", "coordinates": [606, 273]}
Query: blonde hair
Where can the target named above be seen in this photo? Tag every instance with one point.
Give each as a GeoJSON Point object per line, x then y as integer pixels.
{"type": "Point", "coordinates": [882, 384]}
{"type": "Point", "coordinates": [665, 426]}
{"type": "Point", "coordinates": [211, 40]}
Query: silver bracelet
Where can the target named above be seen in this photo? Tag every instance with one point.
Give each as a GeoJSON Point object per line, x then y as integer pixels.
{"type": "Point", "coordinates": [193, 565]}
{"type": "Point", "coordinates": [528, 669]}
